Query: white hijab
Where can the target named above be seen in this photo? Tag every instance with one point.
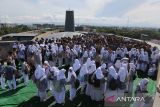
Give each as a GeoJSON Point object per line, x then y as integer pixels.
{"type": "Point", "coordinates": [125, 65]}
{"type": "Point", "coordinates": [91, 69]}
{"type": "Point", "coordinates": [132, 66]}
{"type": "Point", "coordinates": [88, 62]}
{"type": "Point", "coordinates": [22, 47]}
{"type": "Point", "coordinates": [55, 70]}
{"type": "Point", "coordinates": [76, 65]}
{"type": "Point", "coordinates": [83, 70]}
{"type": "Point", "coordinates": [61, 74]}
{"type": "Point", "coordinates": [122, 74]}
{"type": "Point", "coordinates": [60, 49]}
{"type": "Point", "coordinates": [142, 84]}
{"type": "Point", "coordinates": [113, 72]}
{"type": "Point", "coordinates": [113, 56]}
{"type": "Point", "coordinates": [74, 52]}
{"type": "Point", "coordinates": [103, 66]}
{"type": "Point", "coordinates": [142, 55]}
{"type": "Point", "coordinates": [99, 74]}
{"type": "Point", "coordinates": [72, 73]}
{"type": "Point", "coordinates": [102, 50]}
{"type": "Point", "coordinates": [85, 54]}
{"type": "Point", "coordinates": [47, 63]}
{"type": "Point", "coordinates": [39, 73]}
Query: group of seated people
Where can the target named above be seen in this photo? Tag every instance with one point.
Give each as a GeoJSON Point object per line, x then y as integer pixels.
{"type": "Point", "coordinates": [94, 63]}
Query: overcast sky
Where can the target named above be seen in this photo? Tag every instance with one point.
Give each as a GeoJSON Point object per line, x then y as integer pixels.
{"type": "Point", "coordinates": [142, 13]}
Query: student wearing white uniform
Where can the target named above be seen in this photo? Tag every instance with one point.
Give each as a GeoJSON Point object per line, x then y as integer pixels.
{"type": "Point", "coordinates": [60, 54]}
{"type": "Point", "coordinates": [72, 79]}
{"type": "Point", "coordinates": [104, 71]}
{"type": "Point", "coordinates": [122, 75]}
{"type": "Point", "coordinates": [38, 57]}
{"type": "Point", "coordinates": [83, 76]}
{"type": "Point", "coordinates": [21, 51]}
{"type": "Point", "coordinates": [125, 65]}
{"type": "Point", "coordinates": [142, 86]}
{"type": "Point", "coordinates": [98, 91]}
{"type": "Point", "coordinates": [142, 60]}
{"type": "Point", "coordinates": [155, 56]}
{"type": "Point", "coordinates": [40, 80]}
{"type": "Point", "coordinates": [59, 87]}
{"type": "Point", "coordinates": [140, 90]}
{"type": "Point", "coordinates": [152, 70]}
{"type": "Point", "coordinates": [47, 72]}
{"type": "Point", "coordinates": [52, 76]}
{"type": "Point", "coordinates": [113, 56]}
{"type": "Point", "coordinates": [132, 75]}
{"type": "Point", "coordinates": [88, 62]}
{"type": "Point", "coordinates": [76, 66]}
{"type": "Point", "coordinates": [112, 74]}
{"type": "Point", "coordinates": [74, 55]}
{"type": "Point", "coordinates": [91, 70]}
{"type": "Point", "coordinates": [84, 57]}
{"type": "Point", "coordinates": [68, 59]}
{"type": "Point", "coordinates": [25, 71]}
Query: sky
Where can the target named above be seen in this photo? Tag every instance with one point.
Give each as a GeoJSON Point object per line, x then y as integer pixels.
{"type": "Point", "coordinates": [140, 13]}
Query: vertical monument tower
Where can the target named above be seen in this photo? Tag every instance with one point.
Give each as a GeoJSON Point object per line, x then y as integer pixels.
{"type": "Point", "coordinates": [69, 21]}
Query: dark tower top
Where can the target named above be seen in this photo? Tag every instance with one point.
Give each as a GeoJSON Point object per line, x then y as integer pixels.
{"type": "Point", "coordinates": [69, 21]}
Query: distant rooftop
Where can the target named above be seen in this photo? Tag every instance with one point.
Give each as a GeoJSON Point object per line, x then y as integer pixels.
{"type": "Point", "coordinates": [61, 34]}
{"type": "Point", "coordinates": [20, 34]}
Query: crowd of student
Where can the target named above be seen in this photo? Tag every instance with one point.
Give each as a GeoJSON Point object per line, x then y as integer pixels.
{"type": "Point", "coordinates": [93, 63]}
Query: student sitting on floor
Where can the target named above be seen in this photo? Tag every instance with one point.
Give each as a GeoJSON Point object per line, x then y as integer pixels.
{"type": "Point", "coordinates": [142, 86]}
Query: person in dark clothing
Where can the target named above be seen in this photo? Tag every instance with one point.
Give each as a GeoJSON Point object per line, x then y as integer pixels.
{"type": "Point", "coordinates": [10, 75]}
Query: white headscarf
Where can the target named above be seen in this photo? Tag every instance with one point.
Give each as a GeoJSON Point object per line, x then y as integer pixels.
{"type": "Point", "coordinates": [85, 54]}
{"type": "Point", "coordinates": [39, 73]}
{"type": "Point", "coordinates": [74, 52]}
{"type": "Point", "coordinates": [103, 66]}
{"type": "Point", "coordinates": [93, 62]}
{"type": "Point", "coordinates": [102, 50]}
{"type": "Point", "coordinates": [83, 70]}
{"type": "Point", "coordinates": [142, 84]}
{"type": "Point", "coordinates": [60, 49]}
{"type": "Point", "coordinates": [22, 47]}
{"type": "Point", "coordinates": [71, 73]}
{"type": "Point", "coordinates": [113, 72]}
{"type": "Point", "coordinates": [99, 74]}
{"type": "Point", "coordinates": [88, 62]}
{"type": "Point", "coordinates": [122, 74]}
{"type": "Point", "coordinates": [47, 63]}
{"type": "Point", "coordinates": [113, 56]}
{"type": "Point", "coordinates": [125, 65]}
{"type": "Point", "coordinates": [132, 66]}
{"type": "Point", "coordinates": [76, 65]}
{"type": "Point", "coordinates": [142, 55]}
{"type": "Point", "coordinates": [55, 70]}
{"type": "Point", "coordinates": [61, 74]}
{"type": "Point", "coordinates": [91, 69]}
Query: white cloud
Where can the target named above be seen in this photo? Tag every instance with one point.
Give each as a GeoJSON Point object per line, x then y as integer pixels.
{"type": "Point", "coordinates": [28, 11]}
{"type": "Point", "coordinates": [147, 13]}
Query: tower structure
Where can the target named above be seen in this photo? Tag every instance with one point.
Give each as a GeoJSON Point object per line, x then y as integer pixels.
{"type": "Point", "coordinates": [69, 21]}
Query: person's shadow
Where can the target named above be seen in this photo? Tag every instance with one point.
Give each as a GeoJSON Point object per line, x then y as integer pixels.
{"type": "Point", "coordinates": [10, 92]}
{"type": "Point", "coordinates": [35, 102]}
